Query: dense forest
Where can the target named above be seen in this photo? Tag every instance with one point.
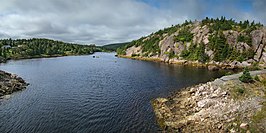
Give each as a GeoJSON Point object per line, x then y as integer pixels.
{"type": "Point", "coordinates": [114, 46]}
{"type": "Point", "coordinates": [227, 40]}
{"type": "Point", "coordinates": [34, 48]}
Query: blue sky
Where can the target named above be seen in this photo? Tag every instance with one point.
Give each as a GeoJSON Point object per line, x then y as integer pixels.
{"type": "Point", "coordinates": [217, 8]}
{"type": "Point", "coordinates": [110, 21]}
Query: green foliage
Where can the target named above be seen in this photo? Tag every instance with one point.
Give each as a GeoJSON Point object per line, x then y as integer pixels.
{"type": "Point", "coordinates": [222, 23]}
{"type": "Point", "coordinates": [255, 66]}
{"type": "Point", "coordinates": [29, 48]}
{"type": "Point", "coordinates": [151, 45]}
{"type": "Point", "coordinates": [219, 46]}
{"type": "Point", "coordinates": [246, 77]}
{"type": "Point", "coordinates": [245, 38]}
{"type": "Point", "coordinates": [257, 78]}
{"type": "Point", "coordinates": [169, 30]}
{"type": "Point", "coordinates": [120, 51]}
{"type": "Point", "coordinates": [195, 52]}
{"type": "Point", "coordinates": [171, 54]}
{"type": "Point", "coordinates": [186, 23]}
{"type": "Point", "coordinates": [185, 53]}
{"type": "Point", "coordinates": [240, 90]}
{"type": "Point", "coordinates": [134, 55]}
{"type": "Point", "coordinates": [113, 47]}
{"type": "Point", "coordinates": [184, 35]}
{"type": "Point", "coordinates": [222, 50]}
{"type": "Point", "coordinates": [241, 38]}
{"type": "Point", "coordinates": [217, 41]}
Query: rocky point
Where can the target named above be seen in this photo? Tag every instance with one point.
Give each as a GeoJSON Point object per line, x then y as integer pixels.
{"type": "Point", "coordinates": [10, 83]}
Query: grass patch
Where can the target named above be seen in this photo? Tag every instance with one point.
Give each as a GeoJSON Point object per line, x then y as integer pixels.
{"type": "Point", "coordinates": [261, 114]}
{"type": "Point", "coordinates": [259, 120]}
{"type": "Point", "coordinates": [257, 78]}
{"type": "Point", "coordinates": [238, 92]}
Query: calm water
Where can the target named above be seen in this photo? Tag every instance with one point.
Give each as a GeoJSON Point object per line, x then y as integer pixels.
{"type": "Point", "coordinates": [85, 94]}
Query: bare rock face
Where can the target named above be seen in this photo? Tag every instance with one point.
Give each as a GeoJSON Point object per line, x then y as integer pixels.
{"type": "Point", "coordinates": [133, 50]}
{"type": "Point", "coordinates": [200, 34]}
{"type": "Point", "coordinates": [231, 37]}
{"type": "Point", "coordinates": [258, 43]}
{"type": "Point", "coordinates": [241, 46]}
{"type": "Point", "coordinates": [257, 36]}
{"type": "Point", "coordinates": [167, 44]}
{"type": "Point", "coordinates": [209, 53]}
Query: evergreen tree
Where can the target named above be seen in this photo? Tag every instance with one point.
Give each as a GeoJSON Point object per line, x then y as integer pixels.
{"type": "Point", "coordinates": [246, 77]}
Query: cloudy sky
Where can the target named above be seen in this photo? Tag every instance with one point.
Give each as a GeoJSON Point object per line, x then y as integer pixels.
{"type": "Point", "coordinates": [110, 21]}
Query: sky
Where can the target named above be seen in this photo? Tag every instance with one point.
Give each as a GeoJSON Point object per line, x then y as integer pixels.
{"type": "Point", "coordinates": [111, 21]}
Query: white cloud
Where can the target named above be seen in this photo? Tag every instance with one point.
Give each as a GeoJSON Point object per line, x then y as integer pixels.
{"type": "Point", "coordinates": [95, 21]}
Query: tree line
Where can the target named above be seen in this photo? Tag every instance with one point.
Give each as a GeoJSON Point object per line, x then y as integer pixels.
{"type": "Point", "coordinates": [38, 47]}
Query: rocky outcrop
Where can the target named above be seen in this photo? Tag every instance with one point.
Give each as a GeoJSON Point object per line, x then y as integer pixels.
{"type": "Point", "coordinates": [10, 83]}
{"type": "Point", "coordinates": [223, 105]}
{"type": "Point", "coordinates": [258, 44]}
{"type": "Point", "coordinates": [253, 42]}
{"type": "Point", "coordinates": [133, 50]}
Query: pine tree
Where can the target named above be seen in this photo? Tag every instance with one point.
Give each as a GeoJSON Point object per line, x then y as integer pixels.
{"type": "Point", "coordinates": [246, 77]}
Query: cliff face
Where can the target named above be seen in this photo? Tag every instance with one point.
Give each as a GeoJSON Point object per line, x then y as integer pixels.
{"type": "Point", "coordinates": [206, 42]}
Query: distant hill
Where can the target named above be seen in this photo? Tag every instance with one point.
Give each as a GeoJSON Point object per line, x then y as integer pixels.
{"type": "Point", "coordinates": [219, 41]}
{"type": "Point", "coordinates": [40, 47]}
{"type": "Point", "coordinates": [114, 46]}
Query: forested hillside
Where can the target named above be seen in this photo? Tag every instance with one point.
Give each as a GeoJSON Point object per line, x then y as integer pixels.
{"type": "Point", "coordinates": [115, 46]}
{"type": "Point", "coordinates": [33, 48]}
{"type": "Point", "coordinates": [210, 41]}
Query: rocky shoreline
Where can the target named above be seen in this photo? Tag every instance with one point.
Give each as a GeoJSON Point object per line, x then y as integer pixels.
{"type": "Point", "coordinates": [210, 65]}
{"type": "Point", "coordinates": [10, 83]}
{"type": "Point", "coordinates": [223, 105]}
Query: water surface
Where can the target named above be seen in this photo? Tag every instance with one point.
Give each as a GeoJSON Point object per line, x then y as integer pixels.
{"type": "Point", "coordinates": [86, 94]}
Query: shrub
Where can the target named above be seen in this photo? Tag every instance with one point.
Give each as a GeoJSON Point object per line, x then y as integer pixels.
{"type": "Point", "coordinates": [134, 55]}
{"type": "Point", "coordinates": [257, 78]}
{"type": "Point", "coordinates": [184, 35]}
{"type": "Point", "coordinates": [185, 53]}
{"type": "Point", "coordinates": [240, 90]}
{"type": "Point", "coordinates": [247, 39]}
{"type": "Point", "coordinates": [121, 51]}
{"type": "Point", "coordinates": [246, 77]}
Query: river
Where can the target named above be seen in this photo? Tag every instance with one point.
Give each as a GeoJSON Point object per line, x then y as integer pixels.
{"type": "Point", "coordinates": [86, 94]}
